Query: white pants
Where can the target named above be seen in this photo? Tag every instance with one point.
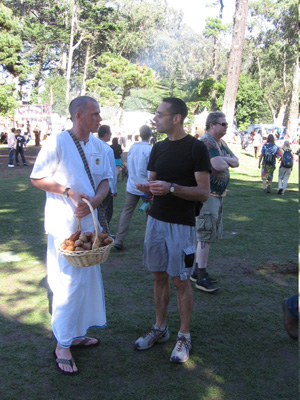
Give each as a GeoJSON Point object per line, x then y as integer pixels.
{"type": "Point", "coordinates": [283, 177]}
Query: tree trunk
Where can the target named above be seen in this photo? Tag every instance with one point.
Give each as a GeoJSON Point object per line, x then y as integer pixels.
{"type": "Point", "coordinates": [235, 60]}
{"type": "Point", "coordinates": [86, 63]}
{"type": "Point", "coordinates": [71, 50]}
{"type": "Point", "coordinates": [292, 123]}
{"type": "Point", "coordinates": [279, 117]}
{"type": "Point", "coordinates": [215, 61]}
{"type": "Point", "coordinates": [215, 69]}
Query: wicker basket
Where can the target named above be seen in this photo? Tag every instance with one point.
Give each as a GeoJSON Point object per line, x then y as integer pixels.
{"type": "Point", "coordinates": [87, 258]}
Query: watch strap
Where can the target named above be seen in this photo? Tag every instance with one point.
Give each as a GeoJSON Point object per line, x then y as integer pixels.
{"type": "Point", "coordinates": [66, 192]}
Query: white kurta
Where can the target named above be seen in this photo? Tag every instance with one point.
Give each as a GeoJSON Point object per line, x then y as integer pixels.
{"type": "Point", "coordinates": [78, 296]}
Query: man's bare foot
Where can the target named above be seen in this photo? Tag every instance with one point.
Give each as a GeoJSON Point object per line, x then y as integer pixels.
{"type": "Point", "coordinates": [65, 354]}
{"type": "Point", "coordinates": [85, 342]}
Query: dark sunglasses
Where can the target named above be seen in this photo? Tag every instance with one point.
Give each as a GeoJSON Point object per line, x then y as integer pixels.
{"type": "Point", "coordinates": [224, 124]}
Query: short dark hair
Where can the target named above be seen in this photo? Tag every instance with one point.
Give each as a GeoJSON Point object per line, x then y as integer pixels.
{"type": "Point", "coordinates": [271, 138]}
{"type": "Point", "coordinates": [213, 117]}
{"type": "Point", "coordinates": [13, 129]}
{"type": "Point", "coordinates": [115, 141]}
{"type": "Point", "coordinates": [103, 130]}
{"type": "Point", "coordinates": [178, 106]}
{"type": "Point", "coordinates": [145, 132]}
{"type": "Point", "coordinates": [79, 104]}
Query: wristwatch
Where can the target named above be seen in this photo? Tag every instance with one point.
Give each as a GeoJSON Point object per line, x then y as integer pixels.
{"type": "Point", "coordinates": [172, 188]}
{"type": "Point", "coordinates": [66, 192]}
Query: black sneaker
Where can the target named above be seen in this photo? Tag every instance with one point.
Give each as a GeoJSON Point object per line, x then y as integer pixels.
{"type": "Point", "coordinates": [194, 276]}
{"type": "Point", "coordinates": [268, 189]}
{"type": "Point", "coordinates": [280, 191]}
{"type": "Point", "coordinates": [119, 245]}
{"type": "Point", "coordinates": [211, 279]}
{"type": "Point", "coordinates": [206, 286]}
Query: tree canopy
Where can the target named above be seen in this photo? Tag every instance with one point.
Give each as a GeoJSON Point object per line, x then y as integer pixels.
{"type": "Point", "coordinates": [131, 53]}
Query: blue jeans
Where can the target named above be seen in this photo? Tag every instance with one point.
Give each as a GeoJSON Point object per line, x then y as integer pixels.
{"type": "Point", "coordinates": [11, 154]}
{"type": "Point", "coordinates": [292, 305]}
{"type": "Point", "coordinates": [21, 152]}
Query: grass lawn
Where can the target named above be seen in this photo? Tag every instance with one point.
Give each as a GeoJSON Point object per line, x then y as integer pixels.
{"type": "Point", "coordinates": [240, 348]}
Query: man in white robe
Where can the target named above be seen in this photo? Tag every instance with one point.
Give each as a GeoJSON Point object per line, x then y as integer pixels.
{"type": "Point", "coordinates": [78, 296]}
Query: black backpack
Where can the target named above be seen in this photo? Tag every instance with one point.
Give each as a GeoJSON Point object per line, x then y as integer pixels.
{"type": "Point", "coordinates": [270, 154]}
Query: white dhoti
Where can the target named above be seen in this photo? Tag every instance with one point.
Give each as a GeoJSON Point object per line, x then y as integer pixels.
{"type": "Point", "coordinates": [78, 296]}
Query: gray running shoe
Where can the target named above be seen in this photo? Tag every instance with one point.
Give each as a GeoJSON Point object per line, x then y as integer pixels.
{"type": "Point", "coordinates": [181, 351]}
{"type": "Point", "coordinates": [153, 336]}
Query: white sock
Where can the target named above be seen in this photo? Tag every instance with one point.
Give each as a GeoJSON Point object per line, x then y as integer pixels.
{"type": "Point", "coordinates": [159, 327]}
{"type": "Point", "coordinates": [186, 335]}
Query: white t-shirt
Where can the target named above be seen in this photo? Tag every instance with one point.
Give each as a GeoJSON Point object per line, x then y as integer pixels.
{"type": "Point", "coordinates": [137, 162]}
{"type": "Point", "coordinates": [110, 154]}
{"type": "Point", "coordinates": [11, 140]}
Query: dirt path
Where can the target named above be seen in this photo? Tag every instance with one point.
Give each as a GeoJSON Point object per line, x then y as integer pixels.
{"type": "Point", "coordinates": [30, 155]}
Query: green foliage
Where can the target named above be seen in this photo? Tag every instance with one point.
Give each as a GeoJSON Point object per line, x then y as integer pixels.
{"type": "Point", "coordinates": [273, 49]}
{"type": "Point", "coordinates": [116, 78]}
{"type": "Point", "coordinates": [8, 102]}
{"type": "Point", "coordinates": [143, 99]}
{"type": "Point", "coordinates": [213, 27]}
{"type": "Point", "coordinates": [251, 106]}
{"type": "Point", "coordinates": [173, 87]}
{"type": "Point", "coordinates": [10, 43]}
{"type": "Point", "coordinates": [58, 86]}
{"type": "Point", "coordinates": [35, 40]}
{"type": "Point", "coordinates": [43, 31]}
{"type": "Point", "coordinates": [137, 23]}
{"type": "Point", "coordinates": [200, 94]}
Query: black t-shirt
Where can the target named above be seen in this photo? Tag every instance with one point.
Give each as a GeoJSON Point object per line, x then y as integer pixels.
{"type": "Point", "coordinates": [176, 162]}
{"type": "Point", "coordinates": [117, 150]}
{"type": "Point", "coordinates": [20, 141]}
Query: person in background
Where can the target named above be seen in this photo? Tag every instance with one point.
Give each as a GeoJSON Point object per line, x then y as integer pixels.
{"type": "Point", "coordinates": [20, 144]}
{"type": "Point", "coordinates": [137, 161]}
{"type": "Point", "coordinates": [285, 169]}
{"type": "Point", "coordinates": [104, 134]}
{"type": "Point", "coordinates": [37, 135]}
{"type": "Point", "coordinates": [209, 222]}
{"type": "Point", "coordinates": [3, 139]}
{"type": "Point", "coordinates": [267, 160]}
{"type": "Point", "coordinates": [11, 144]}
{"type": "Point", "coordinates": [257, 143]}
{"type": "Point", "coordinates": [117, 149]}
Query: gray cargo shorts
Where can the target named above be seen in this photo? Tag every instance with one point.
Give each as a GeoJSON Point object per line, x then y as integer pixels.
{"type": "Point", "coordinates": [169, 248]}
{"type": "Point", "coordinates": [209, 223]}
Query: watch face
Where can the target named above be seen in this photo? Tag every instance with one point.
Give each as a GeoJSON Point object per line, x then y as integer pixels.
{"type": "Point", "coordinates": [172, 188]}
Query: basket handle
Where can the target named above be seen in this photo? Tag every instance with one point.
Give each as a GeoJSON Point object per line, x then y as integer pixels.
{"type": "Point", "coordinates": [95, 222]}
